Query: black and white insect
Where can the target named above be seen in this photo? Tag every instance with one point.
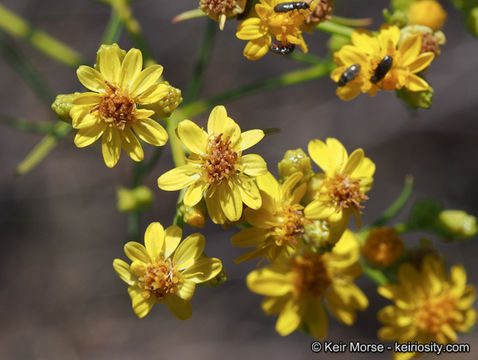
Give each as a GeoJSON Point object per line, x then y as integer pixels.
{"type": "Point", "coordinates": [349, 74]}
{"type": "Point", "coordinates": [289, 6]}
{"type": "Point", "coordinates": [382, 69]}
{"type": "Point", "coordinates": [279, 49]}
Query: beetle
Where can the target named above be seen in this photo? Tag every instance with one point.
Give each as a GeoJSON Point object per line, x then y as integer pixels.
{"type": "Point", "coordinates": [382, 69]}
{"type": "Point", "coordinates": [289, 6]}
{"type": "Point", "coordinates": [280, 49]}
{"type": "Point", "coordinates": [349, 74]}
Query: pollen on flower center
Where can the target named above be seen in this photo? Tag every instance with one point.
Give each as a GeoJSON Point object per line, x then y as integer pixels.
{"type": "Point", "coordinates": [159, 279]}
{"type": "Point", "coordinates": [218, 6]}
{"type": "Point", "coordinates": [290, 225]}
{"type": "Point", "coordinates": [435, 313]}
{"type": "Point", "coordinates": [116, 108]}
{"type": "Point", "coordinates": [311, 275]}
{"type": "Point", "coordinates": [344, 192]}
{"type": "Point", "coordinates": [220, 160]}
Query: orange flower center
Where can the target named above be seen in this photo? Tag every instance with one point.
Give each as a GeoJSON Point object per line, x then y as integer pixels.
{"type": "Point", "coordinates": [435, 313]}
{"type": "Point", "coordinates": [311, 275]}
{"type": "Point", "coordinates": [116, 108]}
{"type": "Point", "coordinates": [344, 192]}
{"type": "Point", "coordinates": [159, 279]}
{"type": "Point", "coordinates": [289, 225]}
{"type": "Point", "coordinates": [217, 6]}
{"type": "Point", "coordinates": [383, 247]}
{"type": "Point", "coordinates": [220, 160]}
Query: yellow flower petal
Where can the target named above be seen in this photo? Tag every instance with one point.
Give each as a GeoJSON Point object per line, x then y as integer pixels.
{"type": "Point", "coordinates": [220, 123]}
{"type": "Point", "coordinates": [179, 178]}
{"type": "Point", "coordinates": [249, 237]}
{"type": "Point", "coordinates": [189, 250]}
{"type": "Point", "coordinates": [87, 136]}
{"type": "Point", "coordinates": [109, 62]}
{"type": "Point", "coordinates": [172, 237]}
{"type": "Point", "coordinates": [180, 308]}
{"type": "Point", "coordinates": [136, 252]}
{"type": "Point", "coordinates": [151, 132]}
{"type": "Point", "coordinates": [268, 184]}
{"type": "Point", "coordinates": [147, 78]}
{"type": "Point", "coordinates": [268, 282]}
{"type": "Point", "coordinates": [131, 145]}
{"type": "Point", "coordinates": [195, 192]}
{"type": "Point", "coordinates": [353, 161]}
{"type": "Point", "coordinates": [130, 68]}
{"type": "Point", "coordinates": [250, 29]}
{"type": "Point", "coordinates": [153, 94]}
{"type": "Point", "coordinates": [193, 137]}
{"type": "Point", "coordinates": [416, 83]}
{"type": "Point", "coordinates": [230, 201]}
{"type": "Point", "coordinates": [86, 121]}
{"type": "Point", "coordinates": [87, 98]}
{"type": "Point", "coordinates": [258, 48]}
{"type": "Point", "coordinates": [365, 40]}
{"type": "Point", "coordinates": [421, 62]}
{"type": "Point", "coordinates": [316, 319]}
{"type": "Point", "coordinates": [111, 146]}
{"type": "Point", "coordinates": [289, 318]}
{"type": "Point", "coordinates": [154, 240]}
{"type": "Point", "coordinates": [318, 210]}
{"type": "Point", "coordinates": [203, 270]}
{"type": "Point", "coordinates": [253, 165]}
{"type": "Point", "coordinates": [91, 79]}
{"type": "Point", "coordinates": [186, 290]}
{"type": "Point", "coordinates": [410, 49]}
{"type": "Point", "coordinates": [214, 208]}
{"type": "Point", "coordinates": [141, 306]}
{"type": "Point", "coordinates": [249, 139]}
{"type": "Point", "coordinates": [122, 269]}
{"type": "Point", "coordinates": [249, 193]}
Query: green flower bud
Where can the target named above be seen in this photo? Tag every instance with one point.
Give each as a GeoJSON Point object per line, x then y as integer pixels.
{"type": "Point", "coordinates": [295, 161]}
{"type": "Point", "coordinates": [317, 236]}
{"type": "Point", "coordinates": [336, 42]}
{"type": "Point", "coordinates": [416, 99]}
{"type": "Point", "coordinates": [402, 5]}
{"type": "Point", "coordinates": [194, 216]}
{"type": "Point", "coordinates": [458, 223]}
{"type": "Point", "coordinates": [165, 107]}
{"type": "Point", "coordinates": [472, 21]}
{"type": "Point", "coordinates": [134, 199]}
{"type": "Point", "coordinates": [398, 18]}
{"type": "Point", "coordinates": [62, 106]}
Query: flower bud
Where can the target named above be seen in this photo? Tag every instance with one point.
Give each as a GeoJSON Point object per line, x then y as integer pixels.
{"type": "Point", "coordinates": [336, 42]}
{"type": "Point", "coordinates": [194, 216]}
{"type": "Point", "coordinates": [416, 99]}
{"type": "Point", "coordinates": [427, 12]}
{"type": "Point", "coordinates": [458, 223]}
{"type": "Point", "coordinates": [62, 106]}
{"type": "Point", "coordinates": [398, 18]}
{"type": "Point", "coordinates": [295, 161]}
{"type": "Point", "coordinates": [165, 107]}
{"type": "Point", "coordinates": [134, 199]}
{"type": "Point", "coordinates": [317, 236]}
{"type": "Point", "coordinates": [473, 21]}
{"type": "Point", "coordinates": [383, 247]}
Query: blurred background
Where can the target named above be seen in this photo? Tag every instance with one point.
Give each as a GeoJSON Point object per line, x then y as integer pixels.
{"type": "Point", "coordinates": [59, 295]}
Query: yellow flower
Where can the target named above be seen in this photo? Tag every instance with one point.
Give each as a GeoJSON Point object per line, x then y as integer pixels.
{"type": "Point", "coordinates": [429, 305]}
{"type": "Point", "coordinates": [296, 289]}
{"type": "Point", "coordinates": [165, 270]}
{"type": "Point", "coordinates": [111, 110]}
{"type": "Point", "coordinates": [346, 180]}
{"type": "Point", "coordinates": [370, 53]}
{"type": "Point", "coordinates": [383, 247]}
{"type": "Point", "coordinates": [285, 27]}
{"type": "Point", "coordinates": [278, 225]}
{"type": "Point", "coordinates": [216, 168]}
{"type": "Point", "coordinates": [428, 13]}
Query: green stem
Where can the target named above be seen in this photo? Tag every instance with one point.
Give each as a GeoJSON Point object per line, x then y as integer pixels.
{"type": "Point", "coordinates": [335, 29]}
{"type": "Point", "coordinates": [113, 29]}
{"type": "Point", "coordinates": [43, 127]}
{"type": "Point", "coordinates": [43, 148]}
{"type": "Point", "coordinates": [202, 60]}
{"type": "Point", "coordinates": [55, 49]}
{"type": "Point", "coordinates": [26, 70]}
{"type": "Point", "coordinates": [376, 275]}
{"type": "Point", "coordinates": [352, 22]}
{"type": "Point", "coordinates": [398, 204]}
{"type": "Point", "coordinates": [288, 79]}
{"type": "Point", "coordinates": [134, 225]}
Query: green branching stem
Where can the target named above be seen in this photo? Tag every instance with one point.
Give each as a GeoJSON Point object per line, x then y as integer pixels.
{"type": "Point", "coordinates": [38, 127]}
{"type": "Point", "coordinates": [334, 28]}
{"type": "Point", "coordinates": [55, 49]}
{"type": "Point", "coordinates": [113, 29]}
{"type": "Point", "coordinates": [398, 204]}
{"type": "Point", "coordinates": [376, 275]}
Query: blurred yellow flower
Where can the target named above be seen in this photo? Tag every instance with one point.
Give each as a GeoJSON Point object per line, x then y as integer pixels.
{"type": "Point", "coordinates": [346, 180]}
{"type": "Point", "coordinates": [278, 225]}
{"type": "Point", "coordinates": [216, 168]}
{"type": "Point", "coordinates": [285, 27]}
{"type": "Point", "coordinates": [165, 270]}
{"type": "Point", "coordinates": [429, 305]}
{"type": "Point", "coordinates": [428, 13]}
{"type": "Point", "coordinates": [111, 110]}
{"type": "Point", "coordinates": [383, 64]}
{"type": "Point", "coordinates": [296, 289]}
